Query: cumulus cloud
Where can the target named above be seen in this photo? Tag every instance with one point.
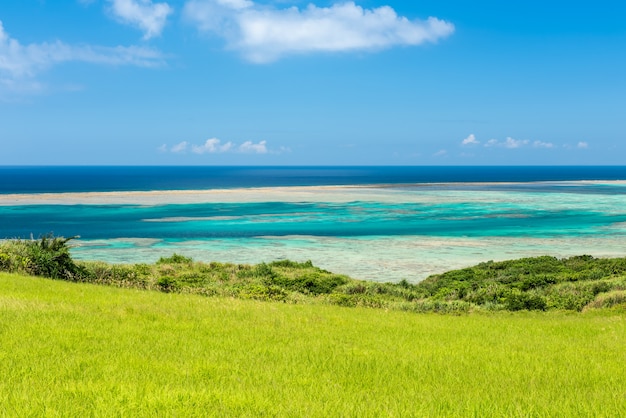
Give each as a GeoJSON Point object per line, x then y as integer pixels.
{"type": "Point", "coordinates": [212, 146]}
{"type": "Point", "coordinates": [265, 33]}
{"type": "Point", "coordinates": [470, 140]}
{"type": "Point", "coordinates": [147, 16]}
{"type": "Point", "coordinates": [20, 63]}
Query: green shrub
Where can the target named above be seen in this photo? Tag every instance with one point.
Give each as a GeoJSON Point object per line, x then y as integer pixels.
{"type": "Point", "coordinates": [342, 299]}
{"type": "Point", "coordinates": [517, 301]}
{"type": "Point", "coordinates": [5, 262]}
{"type": "Point", "coordinates": [537, 282]}
{"type": "Point", "coordinates": [608, 300]}
{"type": "Point", "coordinates": [263, 292]}
{"type": "Point", "coordinates": [291, 264]}
{"type": "Point", "coordinates": [167, 284]}
{"type": "Point", "coordinates": [96, 271]}
{"type": "Point", "coordinates": [315, 283]}
{"type": "Point", "coordinates": [48, 256]}
{"type": "Point", "coordinates": [354, 288]}
{"type": "Point", "coordinates": [175, 259]}
{"type": "Point", "coordinates": [264, 271]}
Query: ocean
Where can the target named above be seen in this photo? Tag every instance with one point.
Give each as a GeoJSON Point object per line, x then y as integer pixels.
{"type": "Point", "coordinates": [59, 179]}
{"type": "Point", "coordinates": [374, 223]}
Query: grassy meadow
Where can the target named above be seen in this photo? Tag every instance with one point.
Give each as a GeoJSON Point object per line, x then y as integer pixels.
{"type": "Point", "coordinates": [74, 349]}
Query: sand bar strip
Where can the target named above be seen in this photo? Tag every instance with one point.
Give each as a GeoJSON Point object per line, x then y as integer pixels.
{"type": "Point", "coordinates": [381, 192]}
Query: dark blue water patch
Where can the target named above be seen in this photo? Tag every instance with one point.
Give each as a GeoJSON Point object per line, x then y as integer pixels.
{"type": "Point", "coordinates": [355, 219]}
{"type": "Point", "coordinates": [58, 179]}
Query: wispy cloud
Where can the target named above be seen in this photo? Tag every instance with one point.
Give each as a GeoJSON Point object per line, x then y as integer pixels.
{"type": "Point", "coordinates": [441, 153]}
{"type": "Point", "coordinates": [515, 143]}
{"type": "Point", "coordinates": [19, 64]}
{"type": "Point", "coordinates": [264, 33]}
{"type": "Point", "coordinates": [541, 144]}
{"type": "Point", "coordinates": [144, 14]}
{"type": "Point", "coordinates": [510, 143]}
{"type": "Point", "coordinates": [216, 146]}
{"type": "Point", "coordinates": [180, 147]}
{"type": "Point", "coordinates": [580, 145]}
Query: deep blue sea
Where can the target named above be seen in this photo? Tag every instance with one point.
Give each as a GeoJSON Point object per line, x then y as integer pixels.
{"type": "Point", "coordinates": [401, 223]}
{"type": "Point", "coordinates": [59, 179]}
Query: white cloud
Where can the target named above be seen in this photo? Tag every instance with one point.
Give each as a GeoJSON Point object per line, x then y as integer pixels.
{"type": "Point", "coordinates": [215, 146]}
{"type": "Point", "coordinates": [470, 140]}
{"type": "Point", "coordinates": [440, 153]}
{"type": "Point", "coordinates": [212, 146]}
{"type": "Point", "coordinates": [180, 147]}
{"type": "Point", "coordinates": [541, 144]}
{"type": "Point", "coordinates": [582, 145]}
{"type": "Point", "coordinates": [508, 143]}
{"type": "Point", "coordinates": [147, 16]}
{"type": "Point", "coordinates": [19, 63]}
{"type": "Point", "coordinates": [250, 147]}
{"type": "Point", "coordinates": [515, 143]}
{"type": "Point", "coordinates": [264, 33]}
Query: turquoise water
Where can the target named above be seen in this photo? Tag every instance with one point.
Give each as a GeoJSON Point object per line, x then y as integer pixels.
{"type": "Point", "coordinates": [376, 233]}
{"type": "Point", "coordinates": [514, 217]}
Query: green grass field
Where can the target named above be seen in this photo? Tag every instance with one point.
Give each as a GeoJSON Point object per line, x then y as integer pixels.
{"type": "Point", "coordinates": [71, 349]}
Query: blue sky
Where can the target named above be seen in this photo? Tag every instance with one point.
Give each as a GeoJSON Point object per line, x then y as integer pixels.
{"type": "Point", "coordinates": [230, 82]}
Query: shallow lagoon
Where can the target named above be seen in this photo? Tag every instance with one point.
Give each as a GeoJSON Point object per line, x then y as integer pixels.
{"type": "Point", "coordinates": [383, 233]}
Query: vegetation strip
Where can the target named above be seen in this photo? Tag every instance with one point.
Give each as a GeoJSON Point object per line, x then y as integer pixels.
{"type": "Point", "coordinates": [540, 283]}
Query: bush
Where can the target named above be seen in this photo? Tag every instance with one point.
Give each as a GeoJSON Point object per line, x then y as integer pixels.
{"type": "Point", "coordinates": [264, 271]}
{"type": "Point", "coordinates": [524, 301]}
{"type": "Point", "coordinates": [261, 292]}
{"type": "Point", "coordinates": [175, 259]}
{"type": "Point", "coordinates": [5, 262]}
{"type": "Point", "coordinates": [291, 264]}
{"type": "Point", "coordinates": [608, 300]}
{"type": "Point", "coordinates": [342, 300]}
{"type": "Point", "coordinates": [167, 284]}
{"type": "Point", "coordinates": [47, 257]}
{"type": "Point", "coordinates": [315, 283]}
